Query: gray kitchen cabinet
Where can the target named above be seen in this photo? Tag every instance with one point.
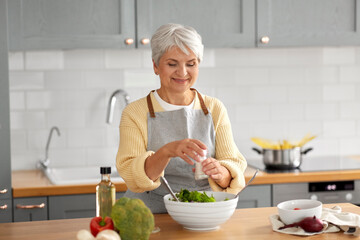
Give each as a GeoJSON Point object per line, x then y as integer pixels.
{"type": "Point", "coordinates": [228, 23]}
{"type": "Point", "coordinates": [255, 196]}
{"type": "Point", "coordinates": [5, 159]}
{"type": "Point", "coordinates": [289, 23]}
{"type": "Point", "coordinates": [74, 206]}
{"type": "Point", "coordinates": [30, 209]}
{"type": "Point", "coordinates": [79, 24]}
{"type": "Point", "coordinates": [53, 24]}
{"type": "Point", "coordinates": [5, 210]}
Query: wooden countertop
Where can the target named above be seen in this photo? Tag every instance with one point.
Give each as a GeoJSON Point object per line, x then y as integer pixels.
{"type": "Point", "coordinates": [30, 183]}
{"type": "Point", "coordinates": [251, 223]}
{"type": "Point", "coordinates": [34, 183]}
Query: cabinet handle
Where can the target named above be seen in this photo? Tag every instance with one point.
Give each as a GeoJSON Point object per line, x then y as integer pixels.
{"type": "Point", "coordinates": [265, 40]}
{"type": "Point", "coordinates": [3, 207]}
{"type": "Point", "coordinates": [129, 41]}
{"type": "Point", "coordinates": [3, 191]}
{"type": "Point", "coordinates": [145, 41]}
{"type": "Point", "coordinates": [42, 205]}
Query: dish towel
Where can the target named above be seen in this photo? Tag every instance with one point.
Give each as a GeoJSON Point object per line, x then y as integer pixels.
{"type": "Point", "coordinates": [334, 220]}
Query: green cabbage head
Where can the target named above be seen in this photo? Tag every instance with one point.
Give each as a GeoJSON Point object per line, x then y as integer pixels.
{"type": "Point", "coordinates": [132, 218]}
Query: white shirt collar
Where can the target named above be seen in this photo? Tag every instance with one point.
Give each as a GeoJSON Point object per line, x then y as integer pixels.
{"type": "Point", "coordinates": [171, 107]}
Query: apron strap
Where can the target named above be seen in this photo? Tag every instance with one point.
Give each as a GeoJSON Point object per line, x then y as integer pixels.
{"type": "Point", "coordinates": [202, 103]}
{"type": "Point", "coordinates": [150, 105]}
{"type": "Point", "coordinates": [151, 108]}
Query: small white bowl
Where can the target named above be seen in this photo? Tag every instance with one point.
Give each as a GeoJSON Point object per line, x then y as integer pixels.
{"type": "Point", "coordinates": [202, 216]}
{"type": "Point", "coordinates": [296, 210]}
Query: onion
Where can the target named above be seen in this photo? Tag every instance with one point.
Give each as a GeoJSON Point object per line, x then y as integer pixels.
{"type": "Point", "coordinates": [309, 224]}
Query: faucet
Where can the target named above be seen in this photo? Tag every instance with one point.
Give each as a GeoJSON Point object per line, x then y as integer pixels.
{"type": "Point", "coordinates": [112, 101]}
{"type": "Point", "coordinates": [45, 163]}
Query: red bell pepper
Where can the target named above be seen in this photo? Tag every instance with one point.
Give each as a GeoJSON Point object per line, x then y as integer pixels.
{"type": "Point", "coordinates": [99, 224]}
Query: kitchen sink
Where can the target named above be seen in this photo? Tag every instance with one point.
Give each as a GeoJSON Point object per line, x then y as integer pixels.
{"type": "Point", "coordinates": [78, 175]}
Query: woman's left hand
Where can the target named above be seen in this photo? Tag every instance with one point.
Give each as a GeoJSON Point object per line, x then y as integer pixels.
{"type": "Point", "coordinates": [215, 171]}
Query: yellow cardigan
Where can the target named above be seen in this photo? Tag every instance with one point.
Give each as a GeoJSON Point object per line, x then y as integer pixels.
{"type": "Point", "coordinates": [132, 153]}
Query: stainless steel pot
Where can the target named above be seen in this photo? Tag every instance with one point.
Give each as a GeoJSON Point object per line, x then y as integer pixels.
{"type": "Point", "coordinates": [282, 159]}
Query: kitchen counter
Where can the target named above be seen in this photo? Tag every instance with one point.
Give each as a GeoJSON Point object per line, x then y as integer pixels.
{"type": "Point", "coordinates": [252, 223]}
{"type": "Point", "coordinates": [34, 183]}
{"type": "Point", "coordinates": [30, 183]}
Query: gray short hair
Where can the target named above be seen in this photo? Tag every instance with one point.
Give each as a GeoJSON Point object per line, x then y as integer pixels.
{"type": "Point", "coordinates": [170, 35]}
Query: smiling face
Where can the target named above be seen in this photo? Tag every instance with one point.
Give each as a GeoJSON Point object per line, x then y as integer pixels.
{"type": "Point", "coordinates": [178, 72]}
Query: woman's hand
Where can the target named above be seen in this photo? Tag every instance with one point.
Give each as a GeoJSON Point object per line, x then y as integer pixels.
{"type": "Point", "coordinates": [186, 148]}
{"type": "Point", "coordinates": [215, 171]}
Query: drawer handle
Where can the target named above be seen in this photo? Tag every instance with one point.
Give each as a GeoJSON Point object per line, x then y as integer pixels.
{"type": "Point", "coordinates": [3, 207]}
{"type": "Point", "coordinates": [42, 205]}
{"type": "Point", "coordinates": [3, 191]}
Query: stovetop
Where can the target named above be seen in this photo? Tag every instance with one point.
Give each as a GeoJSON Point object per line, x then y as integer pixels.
{"type": "Point", "coordinates": [313, 164]}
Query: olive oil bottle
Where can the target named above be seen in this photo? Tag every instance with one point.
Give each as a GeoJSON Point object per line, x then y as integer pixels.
{"type": "Point", "coordinates": [105, 193]}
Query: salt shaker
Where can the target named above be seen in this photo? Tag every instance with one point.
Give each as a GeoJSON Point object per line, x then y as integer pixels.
{"type": "Point", "coordinates": [199, 174]}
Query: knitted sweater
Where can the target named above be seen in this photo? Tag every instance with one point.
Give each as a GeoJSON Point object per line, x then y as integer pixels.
{"type": "Point", "coordinates": [132, 153]}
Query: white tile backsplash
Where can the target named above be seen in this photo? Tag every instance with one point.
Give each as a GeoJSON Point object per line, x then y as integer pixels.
{"type": "Point", "coordinates": [339, 92]}
{"type": "Point", "coordinates": [339, 56]}
{"type": "Point", "coordinates": [321, 111]}
{"type": "Point", "coordinates": [305, 94]}
{"type": "Point", "coordinates": [281, 112]}
{"type": "Point", "coordinates": [40, 60]}
{"type": "Point", "coordinates": [17, 100]}
{"type": "Point", "coordinates": [286, 75]}
{"type": "Point", "coordinates": [108, 80]}
{"type": "Point", "coordinates": [350, 74]}
{"type": "Point", "coordinates": [84, 59]}
{"type": "Point", "coordinates": [26, 80]}
{"type": "Point", "coordinates": [38, 100]}
{"type": "Point", "coordinates": [27, 120]}
{"type": "Point", "coordinates": [16, 61]}
{"type": "Point", "coordinates": [67, 80]}
{"type": "Point", "coordinates": [86, 137]}
{"type": "Point", "coordinates": [123, 59]}
{"type": "Point", "coordinates": [320, 75]}
{"type": "Point", "coordinates": [350, 110]}
{"type": "Point", "coordinates": [274, 93]}
{"type": "Point", "coordinates": [339, 128]}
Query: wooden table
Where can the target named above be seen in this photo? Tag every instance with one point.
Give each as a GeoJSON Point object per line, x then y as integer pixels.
{"type": "Point", "coordinates": [250, 223]}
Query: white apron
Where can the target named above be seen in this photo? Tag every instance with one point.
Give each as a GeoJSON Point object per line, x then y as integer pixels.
{"type": "Point", "coordinates": [169, 126]}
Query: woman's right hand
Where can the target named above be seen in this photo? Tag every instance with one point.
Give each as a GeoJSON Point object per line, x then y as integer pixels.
{"type": "Point", "coordinates": [186, 149]}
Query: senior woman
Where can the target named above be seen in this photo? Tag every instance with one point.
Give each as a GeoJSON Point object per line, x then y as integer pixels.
{"type": "Point", "coordinates": [164, 133]}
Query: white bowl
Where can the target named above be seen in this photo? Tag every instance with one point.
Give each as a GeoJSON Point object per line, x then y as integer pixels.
{"type": "Point", "coordinates": [289, 212]}
{"type": "Point", "coordinates": [202, 216]}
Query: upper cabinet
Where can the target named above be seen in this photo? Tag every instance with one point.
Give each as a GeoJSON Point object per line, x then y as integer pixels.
{"type": "Point", "coordinates": [229, 23]}
{"type": "Point", "coordinates": [286, 23]}
{"type": "Point", "coordinates": [53, 24]}
{"type": "Point", "coordinates": [70, 24]}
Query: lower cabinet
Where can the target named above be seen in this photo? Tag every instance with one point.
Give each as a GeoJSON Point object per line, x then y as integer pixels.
{"type": "Point", "coordinates": [255, 196]}
{"type": "Point", "coordinates": [5, 210]}
{"type": "Point", "coordinates": [74, 206]}
{"type": "Point", "coordinates": [84, 205]}
{"type": "Point", "coordinates": [30, 209]}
